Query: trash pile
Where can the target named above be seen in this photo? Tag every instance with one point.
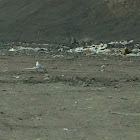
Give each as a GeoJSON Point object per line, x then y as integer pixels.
{"type": "Point", "coordinates": [125, 48]}
{"type": "Point", "coordinates": [93, 49]}
{"type": "Point", "coordinates": [112, 48]}
{"type": "Point", "coordinates": [25, 49]}
{"type": "Point", "coordinates": [121, 43]}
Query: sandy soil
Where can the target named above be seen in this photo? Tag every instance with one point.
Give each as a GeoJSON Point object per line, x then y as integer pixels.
{"type": "Point", "coordinates": [76, 100]}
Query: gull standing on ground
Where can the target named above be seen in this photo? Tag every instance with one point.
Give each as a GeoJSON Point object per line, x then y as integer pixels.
{"type": "Point", "coordinates": [38, 66]}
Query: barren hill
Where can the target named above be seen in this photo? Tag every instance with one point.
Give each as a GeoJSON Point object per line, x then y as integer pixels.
{"type": "Point", "coordinates": [58, 20]}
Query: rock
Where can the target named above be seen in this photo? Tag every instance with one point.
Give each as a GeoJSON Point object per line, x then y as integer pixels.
{"type": "Point", "coordinates": [86, 52]}
{"type": "Point", "coordinates": [126, 51]}
{"type": "Point", "coordinates": [73, 42]}
{"type": "Point", "coordinates": [1, 112]}
{"type": "Point", "coordinates": [47, 77]}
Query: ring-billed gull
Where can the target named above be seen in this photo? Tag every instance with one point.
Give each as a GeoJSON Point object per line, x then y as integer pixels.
{"type": "Point", "coordinates": [38, 66]}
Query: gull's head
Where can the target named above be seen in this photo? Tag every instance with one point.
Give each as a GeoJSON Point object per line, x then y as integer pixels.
{"type": "Point", "coordinates": [37, 63]}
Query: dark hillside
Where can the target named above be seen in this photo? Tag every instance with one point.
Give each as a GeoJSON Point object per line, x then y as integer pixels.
{"type": "Point", "coordinates": [58, 20]}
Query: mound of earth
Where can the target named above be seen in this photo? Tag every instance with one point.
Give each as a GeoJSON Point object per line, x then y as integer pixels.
{"type": "Point", "coordinates": [58, 20]}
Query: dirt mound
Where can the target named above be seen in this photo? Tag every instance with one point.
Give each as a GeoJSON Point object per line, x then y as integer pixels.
{"type": "Point", "coordinates": [123, 7]}
{"type": "Point", "coordinates": [56, 21]}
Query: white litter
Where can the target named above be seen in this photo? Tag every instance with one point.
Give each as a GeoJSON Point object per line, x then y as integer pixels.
{"type": "Point", "coordinates": [135, 50]}
{"type": "Point", "coordinates": [12, 50]}
{"type": "Point", "coordinates": [20, 48]}
{"type": "Point", "coordinates": [80, 49]}
{"type": "Point", "coordinates": [66, 129]}
{"type": "Point", "coordinates": [17, 77]}
{"type": "Point", "coordinates": [130, 42]}
{"type": "Point", "coordinates": [39, 139]}
{"type": "Point", "coordinates": [131, 54]}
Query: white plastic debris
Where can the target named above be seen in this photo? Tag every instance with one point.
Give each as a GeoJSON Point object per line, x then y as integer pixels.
{"type": "Point", "coordinates": [58, 56]}
{"type": "Point", "coordinates": [40, 49]}
{"type": "Point", "coordinates": [66, 129]}
{"type": "Point", "coordinates": [112, 43]}
{"type": "Point", "coordinates": [20, 48]}
{"type": "Point", "coordinates": [135, 50]}
{"type": "Point", "coordinates": [132, 54]}
{"type": "Point", "coordinates": [12, 50]}
{"type": "Point", "coordinates": [130, 42]}
{"type": "Point", "coordinates": [104, 46]}
{"type": "Point", "coordinates": [123, 42]}
{"type": "Point", "coordinates": [109, 97]}
{"type": "Point", "coordinates": [39, 139]}
{"type": "Point", "coordinates": [92, 49]}
{"type": "Point", "coordinates": [17, 77]}
{"type": "Point", "coordinates": [79, 49]}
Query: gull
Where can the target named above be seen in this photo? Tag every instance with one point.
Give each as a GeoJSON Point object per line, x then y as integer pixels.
{"type": "Point", "coordinates": [38, 66]}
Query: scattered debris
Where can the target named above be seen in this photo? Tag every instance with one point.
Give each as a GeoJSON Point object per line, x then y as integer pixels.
{"type": "Point", "coordinates": [20, 48]}
{"type": "Point", "coordinates": [109, 97]}
{"type": "Point", "coordinates": [136, 50]}
{"type": "Point", "coordinates": [126, 51]}
{"type": "Point", "coordinates": [65, 129]}
{"type": "Point", "coordinates": [126, 114]}
{"type": "Point", "coordinates": [58, 56]}
{"type": "Point", "coordinates": [112, 48]}
{"type": "Point", "coordinates": [17, 77]}
{"type": "Point", "coordinates": [132, 54]}
{"type": "Point", "coordinates": [39, 139]}
{"type": "Point", "coordinates": [12, 50]}
{"type": "Point", "coordinates": [127, 48]}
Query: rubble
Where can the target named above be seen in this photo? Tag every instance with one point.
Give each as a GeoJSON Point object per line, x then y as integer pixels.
{"type": "Point", "coordinates": [132, 54]}
{"type": "Point", "coordinates": [126, 51]}
{"type": "Point", "coordinates": [112, 48]}
{"type": "Point", "coordinates": [136, 50]}
{"type": "Point", "coordinates": [20, 48]}
{"type": "Point", "coordinates": [12, 50]}
{"type": "Point", "coordinates": [127, 48]}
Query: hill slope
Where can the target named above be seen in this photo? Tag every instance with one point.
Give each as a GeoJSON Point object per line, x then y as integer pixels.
{"type": "Point", "coordinates": [58, 20]}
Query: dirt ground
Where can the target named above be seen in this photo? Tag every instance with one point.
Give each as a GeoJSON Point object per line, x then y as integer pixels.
{"type": "Point", "coordinates": [79, 98]}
